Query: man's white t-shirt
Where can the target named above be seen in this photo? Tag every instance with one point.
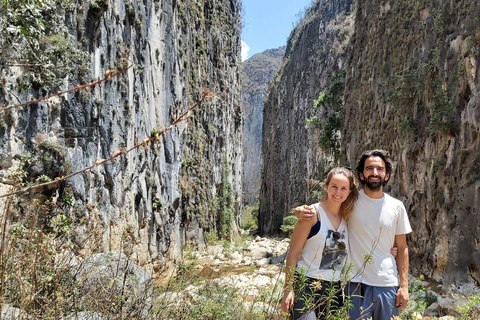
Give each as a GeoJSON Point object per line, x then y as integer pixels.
{"type": "Point", "coordinates": [372, 229]}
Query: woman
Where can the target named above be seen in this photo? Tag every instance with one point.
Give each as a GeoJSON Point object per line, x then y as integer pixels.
{"type": "Point", "coordinates": [318, 250]}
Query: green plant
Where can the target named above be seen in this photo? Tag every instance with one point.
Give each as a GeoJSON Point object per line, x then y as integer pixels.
{"type": "Point", "coordinates": [157, 205]}
{"type": "Point", "coordinates": [189, 253]}
{"type": "Point", "coordinates": [250, 269]}
{"type": "Point", "coordinates": [314, 190]}
{"type": "Point", "coordinates": [420, 298]}
{"type": "Point", "coordinates": [334, 96]}
{"type": "Point", "coordinates": [443, 114]}
{"type": "Point", "coordinates": [289, 223]}
{"type": "Point", "coordinates": [470, 309]}
{"type": "Point", "coordinates": [35, 38]}
{"type": "Point", "coordinates": [314, 122]}
{"type": "Point", "coordinates": [60, 224]}
{"type": "Point", "coordinates": [212, 237]}
{"type": "Point", "coordinates": [188, 163]}
{"type": "Point", "coordinates": [438, 163]}
{"type": "Point", "coordinates": [249, 225]}
{"type": "Point", "coordinates": [99, 6]}
{"type": "Point", "coordinates": [18, 230]}
{"type": "Point", "coordinates": [330, 103]}
{"type": "Point", "coordinates": [18, 174]}
{"type": "Point", "coordinates": [153, 133]}
{"type": "Point", "coordinates": [44, 178]}
{"type": "Point", "coordinates": [226, 206]}
{"type": "Point", "coordinates": [325, 304]}
{"type": "Point", "coordinates": [330, 139]}
{"type": "Point", "coordinates": [227, 248]}
{"type": "Point", "coordinates": [408, 126]}
{"type": "Point", "coordinates": [68, 199]}
{"type": "Point", "coordinates": [194, 294]}
{"type": "Point", "coordinates": [184, 268]}
{"type": "Point", "coordinates": [242, 241]}
{"type": "Point", "coordinates": [31, 277]}
{"type": "Point", "coordinates": [250, 217]}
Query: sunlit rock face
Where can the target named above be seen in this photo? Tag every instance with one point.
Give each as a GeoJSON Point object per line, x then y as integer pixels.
{"type": "Point", "coordinates": [411, 87]}
{"type": "Point", "coordinates": [163, 193]}
{"type": "Point", "coordinates": [414, 91]}
{"type": "Point", "coordinates": [257, 72]}
{"type": "Point", "coordinates": [316, 51]}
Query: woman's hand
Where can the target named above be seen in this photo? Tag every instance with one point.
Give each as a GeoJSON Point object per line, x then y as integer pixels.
{"type": "Point", "coordinates": [287, 301]}
{"type": "Point", "coordinates": [304, 213]}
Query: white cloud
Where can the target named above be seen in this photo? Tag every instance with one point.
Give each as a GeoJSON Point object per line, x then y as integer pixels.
{"type": "Point", "coordinates": [245, 49]}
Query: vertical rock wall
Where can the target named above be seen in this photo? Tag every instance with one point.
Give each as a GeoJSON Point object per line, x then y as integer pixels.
{"type": "Point", "coordinates": [257, 72]}
{"type": "Point", "coordinates": [411, 87]}
{"type": "Point", "coordinates": [315, 52]}
{"type": "Point", "coordinates": [161, 194]}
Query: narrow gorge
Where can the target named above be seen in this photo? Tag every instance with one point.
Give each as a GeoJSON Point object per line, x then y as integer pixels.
{"type": "Point", "coordinates": [132, 137]}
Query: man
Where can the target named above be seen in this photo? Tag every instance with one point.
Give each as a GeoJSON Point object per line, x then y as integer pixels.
{"type": "Point", "coordinates": [378, 222]}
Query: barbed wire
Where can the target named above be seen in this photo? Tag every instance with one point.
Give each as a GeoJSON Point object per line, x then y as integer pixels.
{"type": "Point", "coordinates": [108, 75]}
{"type": "Point", "coordinates": [153, 137]}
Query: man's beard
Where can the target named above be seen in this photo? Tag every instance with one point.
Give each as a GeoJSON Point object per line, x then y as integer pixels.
{"type": "Point", "coordinates": [374, 185]}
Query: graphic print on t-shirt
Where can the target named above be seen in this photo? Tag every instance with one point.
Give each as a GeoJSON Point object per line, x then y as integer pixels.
{"type": "Point", "coordinates": [334, 252]}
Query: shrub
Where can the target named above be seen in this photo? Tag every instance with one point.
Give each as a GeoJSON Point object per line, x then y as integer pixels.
{"type": "Point", "coordinates": [289, 223]}
{"type": "Point", "coordinates": [470, 309]}
{"type": "Point", "coordinates": [250, 217]}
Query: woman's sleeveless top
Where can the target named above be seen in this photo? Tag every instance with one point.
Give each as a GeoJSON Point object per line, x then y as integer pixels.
{"type": "Point", "coordinates": [324, 254]}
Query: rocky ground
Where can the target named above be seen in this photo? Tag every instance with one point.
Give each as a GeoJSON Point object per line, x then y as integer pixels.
{"type": "Point", "coordinates": [252, 267]}
{"type": "Point", "coordinates": [257, 266]}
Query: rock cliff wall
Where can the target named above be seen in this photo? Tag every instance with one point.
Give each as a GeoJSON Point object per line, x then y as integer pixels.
{"type": "Point", "coordinates": [162, 195]}
{"type": "Point", "coordinates": [411, 87]}
{"type": "Point", "coordinates": [257, 72]}
{"type": "Point", "coordinates": [291, 154]}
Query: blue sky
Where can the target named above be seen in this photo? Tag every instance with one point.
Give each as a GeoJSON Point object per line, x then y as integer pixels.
{"type": "Point", "coordinates": [268, 23]}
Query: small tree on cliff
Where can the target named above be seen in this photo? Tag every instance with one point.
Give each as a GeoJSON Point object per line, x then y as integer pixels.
{"type": "Point", "coordinates": [225, 205]}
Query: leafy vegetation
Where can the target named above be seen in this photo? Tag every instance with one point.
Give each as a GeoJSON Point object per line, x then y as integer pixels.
{"type": "Point", "coordinates": [226, 206]}
{"type": "Point", "coordinates": [289, 223]}
{"type": "Point", "coordinates": [406, 90]}
{"type": "Point", "coordinates": [470, 309]}
{"type": "Point", "coordinates": [420, 298]}
{"type": "Point", "coordinates": [35, 37]}
{"type": "Point", "coordinates": [250, 217]}
{"type": "Point", "coordinates": [329, 118]}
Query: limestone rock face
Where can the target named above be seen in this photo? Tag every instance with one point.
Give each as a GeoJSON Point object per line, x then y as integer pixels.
{"type": "Point", "coordinates": [257, 72]}
{"type": "Point", "coordinates": [411, 87]}
{"type": "Point", "coordinates": [315, 52]}
{"type": "Point", "coordinates": [162, 194]}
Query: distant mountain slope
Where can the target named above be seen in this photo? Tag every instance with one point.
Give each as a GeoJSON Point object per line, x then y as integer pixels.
{"type": "Point", "coordinates": [257, 73]}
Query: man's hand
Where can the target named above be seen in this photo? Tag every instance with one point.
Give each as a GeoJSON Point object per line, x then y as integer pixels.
{"type": "Point", "coordinates": [304, 213]}
{"type": "Point", "coordinates": [402, 298]}
{"type": "Point", "coordinates": [394, 251]}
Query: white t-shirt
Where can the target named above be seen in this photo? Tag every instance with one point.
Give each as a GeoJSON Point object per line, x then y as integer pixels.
{"type": "Point", "coordinates": [324, 254]}
{"type": "Point", "coordinates": [372, 229]}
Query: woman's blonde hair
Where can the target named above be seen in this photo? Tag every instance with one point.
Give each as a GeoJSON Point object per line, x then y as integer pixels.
{"type": "Point", "coordinates": [346, 208]}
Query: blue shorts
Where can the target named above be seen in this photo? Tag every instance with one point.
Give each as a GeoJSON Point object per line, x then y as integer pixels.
{"type": "Point", "coordinates": [376, 303]}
